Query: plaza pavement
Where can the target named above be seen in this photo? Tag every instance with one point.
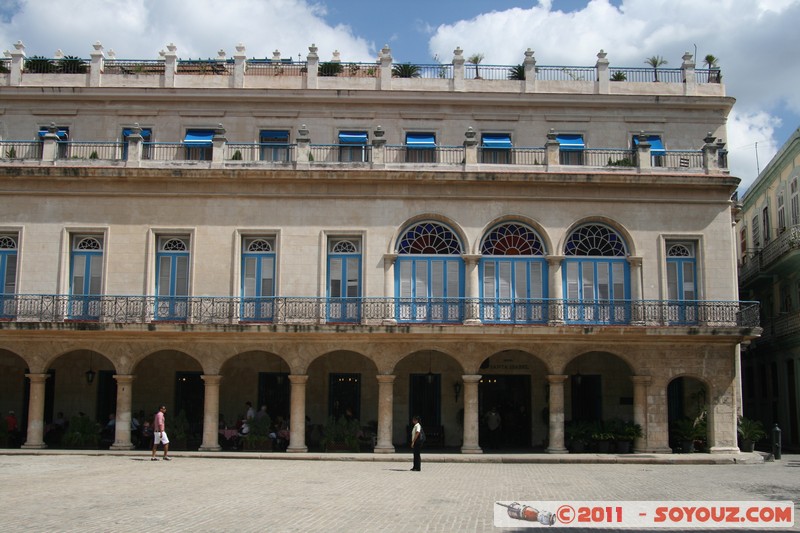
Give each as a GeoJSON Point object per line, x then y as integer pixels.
{"type": "Point", "coordinates": [109, 491]}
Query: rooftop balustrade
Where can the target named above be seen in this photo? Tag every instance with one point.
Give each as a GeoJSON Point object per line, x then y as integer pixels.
{"type": "Point", "coordinates": [105, 70]}
{"type": "Point", "coordinates": [43, 308]}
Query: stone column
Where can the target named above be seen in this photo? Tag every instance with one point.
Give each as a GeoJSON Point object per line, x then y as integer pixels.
{"type": "Point", "coordinates": [96, 72]}
{"type": "Point", "coordinates": [385, 413]}
{"type": "Point", "coordinates": [312, 67]}
{"type": "Point", "coordinates": [239, 66]}
{"type": "Point", "coordinates": [211, 413]}
{"type": "Point", "coordinates": [458, 69]}
{"type": "Point", "coordinates": [378, 148]}
{"type": "Point", "coordinates": [472, 308]}
{"type": "Point", "coordinates": [470, 148]}
{"type": "Point", "coordinates": [17, 63]}
{"type": "Point", "coordinates": [657, 438]}
{"type": "Point", "coordinates": [170, 64]}
{"type": "Point", "coordinates": [556, 423]}
{"type": "Point", "coordinates": [603, 78]}
{"type": "Point", "coordinates": [529, 64]}
{"type": "Point", "coordinates": [640, 384]}
{"type": "Point", "coordinates": [122, 425]}
{"type": "Point", "coordinates": [552, 147]}
{"type": "Point", "coordinates": [471, 415]}
{"type": "Point", "coordinates": [710, 158]}
{"type": "Point", "coordinates": [297, 429]}
{"type": "Point", "coordinates": [637, 306]}
{"type": "Point", "coordinates": [643, 159]}
{"type": "Point", "coordinates": [35, 437]}
{"type": "Point", "coordinates": [555, 289]}
{"type": "Point", "coordinates": [389, 318]}
{"type": "Point", "coordinates": [689, 75]}
{"type": "Point", "coordinates": [722, 423]}
{"type": "Point", "coordinates": [218, 142]}
{"type": "Point", "coordinates": [50, 144]}
{"type": "Point", "coordinates": [385, 83]}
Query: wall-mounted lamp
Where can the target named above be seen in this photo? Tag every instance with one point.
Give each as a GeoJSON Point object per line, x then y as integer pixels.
{"type": "Point", "coordinates": [89, 373]}
{"type": "Point", "coordinates": [430, 368]}
{"type": "Point", "coordinates": [456, 390]}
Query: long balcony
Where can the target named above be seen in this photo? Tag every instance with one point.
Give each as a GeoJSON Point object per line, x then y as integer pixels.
{"type": "Point", "coordinates": [778, 257]}
{"type": "Point", "coordinates": [51, 308]}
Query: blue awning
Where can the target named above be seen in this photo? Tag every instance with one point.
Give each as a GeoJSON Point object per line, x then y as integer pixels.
{"type": "Point", "coordinates": [63, 133]}
{"type": "Point", "coordinates": [496, 140]}
{"type": "Point", "coordinates": [146, 133]}
{"type": "Point", "coordinates": [352, 137]}
{"type": "Point", "coordinates": [420, 140]}
{"type": "Point", "coordinates": [274, 136]}
{"type": "Point", "coordinates": [656, 145]}
{"type": "Point", "coordinates": [570, 142]}
{"type": "Point", "coordinates": [199, 138]}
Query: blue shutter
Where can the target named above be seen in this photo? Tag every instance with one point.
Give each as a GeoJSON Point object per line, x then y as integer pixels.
{"type": "Point", "coordinates": [656, 145]}
{"type": "Point", "coordinates": [420, 140]}
{"type": "Point", "coordinates": [496, 140]}
{"type": "Point", "coordinates": [199, 138]}
{"type": "Point", "coordinates": [570, 142]}
{"type": "Point", "coordinates": [352, 137]}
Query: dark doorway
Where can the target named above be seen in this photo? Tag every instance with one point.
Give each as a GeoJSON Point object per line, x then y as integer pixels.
{"type": "Point", "coordinates": [344, 392]}
{"type": "Point", "coordinates": [791, 386]}
{"type": "Point", "coordinates": [587, 398]}
{"type": "Point", "coordinates": [510, 395]}
{"type": "Point", "coordinates": [425, 395]}
{"type": "Point", "coordinates": [274, 392]}
{"type": "Point", "coordinates": [675, 407]}
{"type": "Point", "coordinates": [190, 398]}
{"type": "Point", "coordinates": [106, 395]}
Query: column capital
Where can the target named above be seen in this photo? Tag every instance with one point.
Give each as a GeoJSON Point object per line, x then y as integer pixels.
{"type": "Point", "coordinates": [298, 379]}
{"type": "Point", "coordinates": [557, 378]}
{"type": "Point", "coordinates": [385, 378]}
{"type": "Point", "coordinates": [471, 258]}
{"type": "Point", "coordinates": [644, 380]}
{"type": "Point", "coordinates": [211, 379]}
{"type": "Point", "coordinates": [37, 378]}
{"type": "Point", "coordinates": [471, 378]}
{"type": "Point", "coordinates": [389, 259]}
{"type": "Point", "coordinates": [635, 260]}
{"type": "Point", "coordinates": [124, 378]}
{"type": "Point", "coordinates": [554, 260]}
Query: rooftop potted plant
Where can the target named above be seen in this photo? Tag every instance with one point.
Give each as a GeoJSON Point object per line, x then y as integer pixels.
{"type": "Point", "coordinates": [655, 62]}
{"type": "Point", "coordinates": [405, 70]}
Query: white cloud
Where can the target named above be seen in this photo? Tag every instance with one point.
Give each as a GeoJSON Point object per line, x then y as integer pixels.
{"type": "Point", "coordinates": [756, 41]}
{"type": "Point", "coordinates": [198, 27]}
{"type": "Point", "coordinates": [751, 144]}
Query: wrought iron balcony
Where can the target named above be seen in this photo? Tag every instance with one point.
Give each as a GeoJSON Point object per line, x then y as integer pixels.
{"type": "Point", "coordinates": [766, 258]}
{"type": "Point", "coordinates": [369, 310]}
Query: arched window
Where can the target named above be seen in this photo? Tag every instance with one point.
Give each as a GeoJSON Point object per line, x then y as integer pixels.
{"type": "Point", "coordinates": [513, 275]}
{"type": "Point", "coordinates": [429, 274]}
{"type": "Point", "coordinates": [8, 274]}
{"type": "Point", "coordinates": [344, 279]}
{"type": "Point", "coordinates": [681, 281]}
{"type": "Point", "coordinates": [596, 276]}
{"type": "Point", "coordinates": [86, 276]}
{"type": "Point", "coordinates": [172, 278]}
{"type": "Point", "coordinates": [258, 278]}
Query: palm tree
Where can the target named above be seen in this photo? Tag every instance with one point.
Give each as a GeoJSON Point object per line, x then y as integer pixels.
{"type": "Point", "coordinates": [655, 62]}
{"type": "Point", "coordinates": [712, 62]}
{"type": "Point", "coordinates": [475, 59]}
{"type": "Point", "coordinates": [405, 70]}
{"type": "Point", "coordinates": [516, 72]}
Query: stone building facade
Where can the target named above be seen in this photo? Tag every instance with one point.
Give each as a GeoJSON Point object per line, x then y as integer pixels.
{"type": "Point", "coordinates": [324, 236]}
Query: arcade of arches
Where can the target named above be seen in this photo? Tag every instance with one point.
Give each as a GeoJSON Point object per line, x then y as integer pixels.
{"type": "Point", "coordinates": [536, 383]}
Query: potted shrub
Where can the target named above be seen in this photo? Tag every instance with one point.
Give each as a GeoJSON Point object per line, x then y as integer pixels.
{"type": "Point", "coordinates": [618, 75]}
{"type": "Point", "coordinates": [405, 70]}
{"type": "Point", "coordinates": [603, 440]}
{"type": "Point", "coordinates": [258, 438]}
{"type": "Point", "coordinates": [578, 434]}
{"type": "Point", "coordinates": [517, 72]}
{"type": "Point", "coordinates": [340, 435]}
{"type": "Point", "coordinates": [685, 431]}
{"type": "Point", "coordinates": [750, 432]}
{"type": "Point", "coordinates": [332, 68]}
{"type": "Point", "coordinates": [627, 433]}
{"type": "Point", "coordinates": [83, 433]}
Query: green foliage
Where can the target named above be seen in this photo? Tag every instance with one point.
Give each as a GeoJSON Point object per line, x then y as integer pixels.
{"type": "Point", "coordinates": [627, 430]}
{"type": "Point", "coordinates": [3, 68]}
{"type": "Point", "coordinates": [405, 70]}
{"type": "Point", "coordinates": [11, 153]}
{"type": "Point", "coordinates": [711, 61]}
{"type": "Point", "coordinates": [40, 65]}
{"type": "Point", "coordinates": [178, 428]}
{"type": "Point", "coordinates": [475, 59]}
{"type": "Point", "coordinates": [332, 68]}
{"type": "Point", "coordinates": [624, 162]}
{"type": "Point", "coordinates": [94, 155]}
{"type": "Point", "coordinates": [259, 427]}
{"type": "Point", "coordinates": [578, 431]}
{"type": "Point", "coordinates": [516, 72]}
{"type": "Point", "coordinates": [72, 65]}
{"type": "Point", "coordinates": [687, 429]}
{"type": "Point", "coordinates": [618, 75]}
{"type": "Point", "coordinates": [655, 62]}
{"type": "Point", "coordinates": [83, 432]}
{"type": "Point", "coordinates": [341, 432]}
{"type": "Point", "coordinates": [752, 430]}
{"type": "Point", "coordinates": [237, 156]}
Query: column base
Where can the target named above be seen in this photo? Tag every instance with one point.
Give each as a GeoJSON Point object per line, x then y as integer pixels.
{"type": "Point", "coordinates": [383, 449]}
{"type": "Point", "coordinates": [210, 448]}
{"type": "Point", "coordinates": [557, 450]}
{"type": "Point", "coordinates": [471, 449]}
{"type": "Point", "coordinates": [27, 446]}
{"type": "Point", "coordinates": [652, 450]}
{"type": "Point", "coordinates": [724, 449]}
{"type": "Point", "coordinates": [298, 449]}
{"type": "Point", "coordinates": [122, 447]}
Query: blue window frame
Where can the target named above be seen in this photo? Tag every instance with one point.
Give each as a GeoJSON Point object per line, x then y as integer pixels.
{"type": "Point", "coordinates": [258, 279]}
{"type": "Point", "coordinates": [274, 145]}
{"type": "Point", "coordinates": [344, 280]}
{"type": "Point", "coordinates": [353, 146]}
{"type": "Point", "coordinates": [86, 277]}
{"type": "Point", "coordinates": [172, 278]}
{"type": "Point", "coordinates": [8, 275]}
{"type": "Point", "coordinates": [513, 275]}
{"type": "Point", "coordinates": [496, 148]}
{"type": "Point", "coordinates": [596, 276]}
{"type": "Point", "coordinates": [198, 144]}
{"type": "Point", "coordinates": [657, 151]}
{"type": "Point", "coordinates": [420, 147]}
{"type": "Point", "coordinates": [429, 274]}
{"type": "Point", "coordinates": [682, 282]}
{"type": "Point", "coordinates": [571, 148]}
{"type": "Point", "coordinates": [147, 137]}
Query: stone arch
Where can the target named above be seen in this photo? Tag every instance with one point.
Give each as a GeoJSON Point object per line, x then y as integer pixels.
{"type": "Point", "coordinates": [611, 223]}
{"type": "Point", "coordinates": [514, 383]}
{"type": "Point", "coordinates": [12, 386]}
{"type": "Point", "coordinates": [527, 221]}
{"type": "Point", "coordinates": [599, 387]}
{"type": "Point", "coordinates": [687, 396]}
{"type": "Point", "coordinates": [440, 219]}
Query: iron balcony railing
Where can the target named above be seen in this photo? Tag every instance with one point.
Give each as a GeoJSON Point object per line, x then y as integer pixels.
{"type": "Point", "coordinates": [761, 260]}
{"type": "Point", "coordinates": [312, 310]}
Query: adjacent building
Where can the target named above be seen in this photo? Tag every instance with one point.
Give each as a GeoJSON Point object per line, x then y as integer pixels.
{"type": "Point", "coordinates": [370, 240]}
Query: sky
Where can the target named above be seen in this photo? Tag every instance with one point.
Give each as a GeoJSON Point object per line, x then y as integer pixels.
{"type": "Point", "coordinates": [756, 41]}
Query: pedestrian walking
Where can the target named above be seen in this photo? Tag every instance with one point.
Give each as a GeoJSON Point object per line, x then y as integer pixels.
{"type": "Point", "coordinates": [417, 439]}
{"type": "Point", "coordinates": [160, 433]}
